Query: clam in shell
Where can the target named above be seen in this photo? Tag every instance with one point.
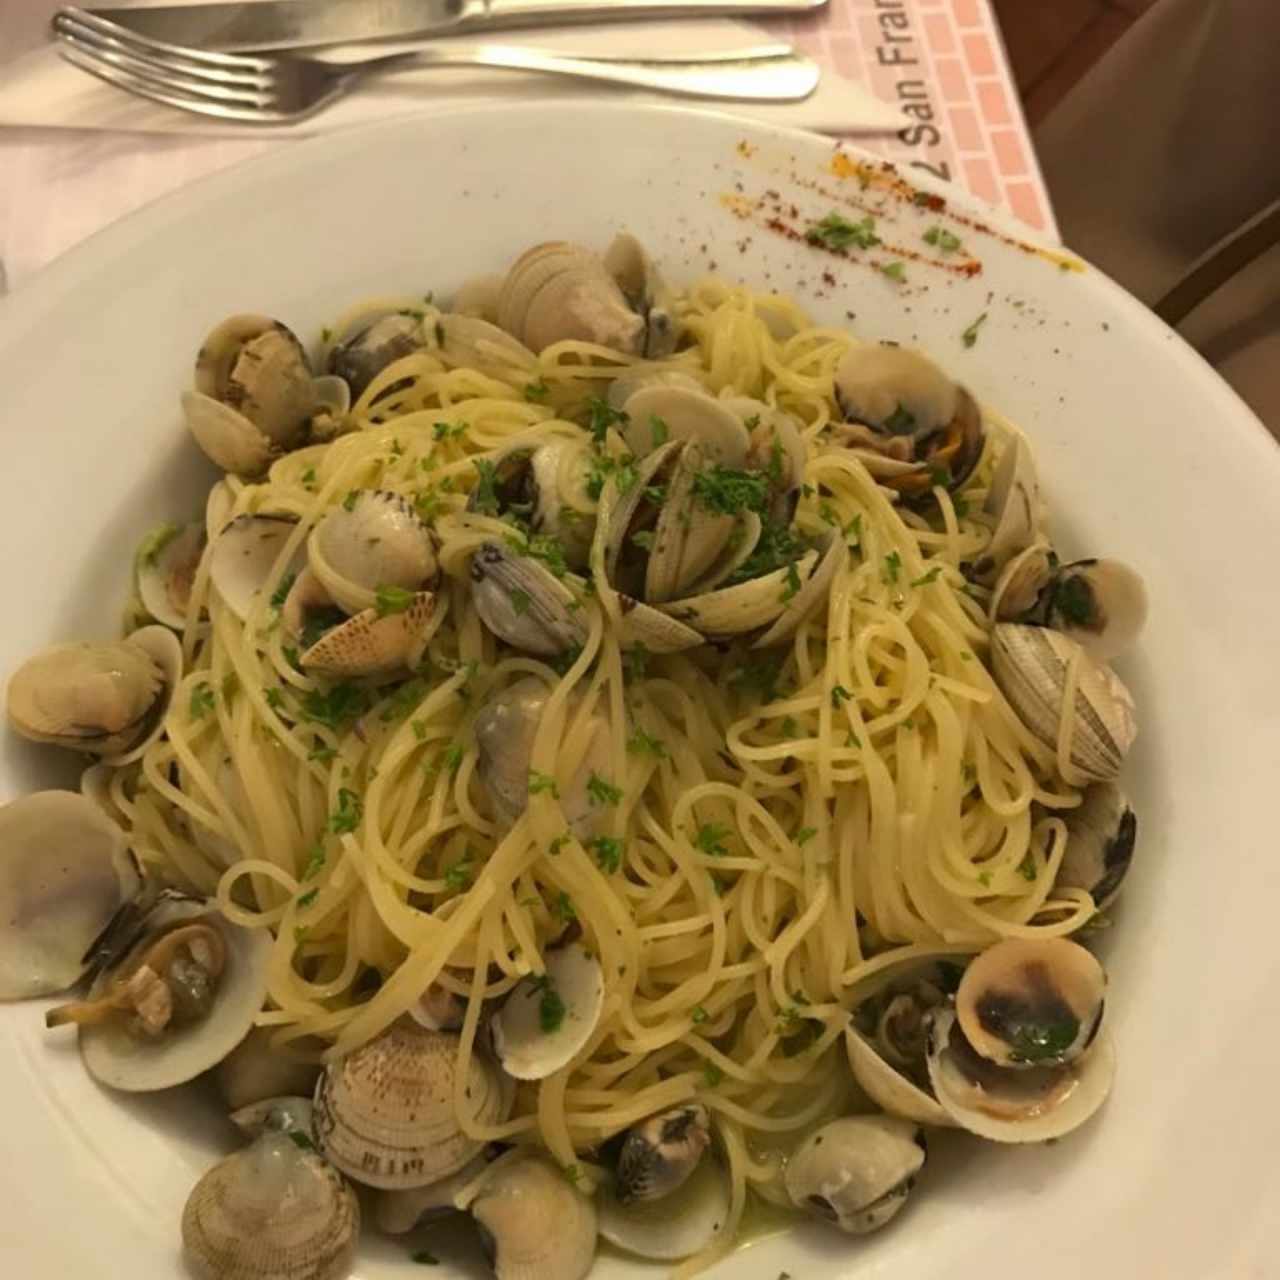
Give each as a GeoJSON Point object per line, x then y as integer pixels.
{"type": "Point", "coordinates": [385, 1114]}
{"type": "Point", "coordinates": [1030, 665]}
{"type": "Point", "coordinates": [274, 1211]}
{"type": "Point", "coordinates": [674, 1226]}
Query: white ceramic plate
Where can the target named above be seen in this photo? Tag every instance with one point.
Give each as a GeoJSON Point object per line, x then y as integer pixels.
{"type": "Point", "coordinates": [1145, 453]}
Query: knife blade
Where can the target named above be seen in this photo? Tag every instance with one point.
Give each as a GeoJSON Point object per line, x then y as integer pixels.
{"type": "Point", "coordinates": [298, 24]}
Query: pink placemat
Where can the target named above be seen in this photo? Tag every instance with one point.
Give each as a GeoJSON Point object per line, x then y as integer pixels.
{"type": "Point", "coordinates": [944, 62]}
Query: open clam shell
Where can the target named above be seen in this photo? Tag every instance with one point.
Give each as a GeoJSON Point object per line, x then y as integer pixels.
{"type": "Point", "coordinates": [535, 1224]}
{"type": "Point", "coordinates": [645, 627]}
{"type": "Point", "coordinates": [1101, 835]}
{"type": "Point", "coordinates": [675, 1226]}
{"type": "Point", "coordinates": [747, 606]}
{"type": "Point", "coordinates": [271, 1212]}
{"type": "Point", "coordinates": [640, 376]}
{"type": "Point", "coordinates": [1021, 582]}
{"type": "Point", "coordinates": [1029, 1105]}
{"type": "Point", "coordinates": [385, 1116]}
{"type": "Point", "coordinates": [546, 1021]}
{"type": "Point", "coordinates": [242, 556]}
{"type": "Point", "coordinates": [117, 1057]}
{"type": "Point", "coordinates": [371, 644]}
{"type": "Point", "coordinates": [166, 572]}
{"type": "Point", "coordinates": [1030, 666]}
{"type": "Point", "coordinates": [469, 342]}
{"type": "Point", "coordinates": [65, 870]}
{"type": "Point", "coordinates": [1100, 604]}
{"type": "Point", "coordinates": [361, 356]}
{"type": "Point", "coordinates": [894, 389]}
{"type": "Point", "coordinates": [637, 275]}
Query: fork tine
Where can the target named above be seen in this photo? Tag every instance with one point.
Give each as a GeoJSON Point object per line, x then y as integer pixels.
{"type": "Point", "coordinates": [159, 48]}
{"type": "Point", "coordinates": [66, 27]}
{"type": "Point", "coordinates": [150, 89]}
{"type": "Point", "coordinates": [166, 79]}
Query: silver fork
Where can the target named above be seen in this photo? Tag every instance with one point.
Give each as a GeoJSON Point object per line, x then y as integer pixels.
{"type": "Point", "coordinates": [273, 89]}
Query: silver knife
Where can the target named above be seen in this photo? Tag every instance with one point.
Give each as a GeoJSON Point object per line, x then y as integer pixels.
{"type": "Point", "coordinates": [297, 24]}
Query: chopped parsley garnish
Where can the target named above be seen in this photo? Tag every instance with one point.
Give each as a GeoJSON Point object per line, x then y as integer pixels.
{"type": "Point", "coordinates": [659, 430]}
{"type": "Point", "coordinates": [643, 538]}
{"type": "Point", "coordinates": [635, 663]}
{"type": "Point", "coordinates": [572, 1174]}
{"type": "Point", "coordinates": [608, 851]}
{"type": "Point", "coordinates": [793, 583]}
{"type": "Point", "coordinates": [275, 698]}
{"type": "Point", "coordinates": [600, 417]}
{"type": "Point", "coordinates": [804, 835]}
{"type": "Point", "coordinates": [308, 898]}
{"type": "Point", "coordinates": [449, 430]}
{"type": "Point", "coordinates": [452, 757]}
{"type": "Point", "coordinates": [853, 530]}
{"type": "Point", "coordinates": [389, 600]}
{"type": "Point", "coordinates": [309, 479]}
{"type": "Point", "coordinates": [427, 504]}
{"type": "Point", "coordinates": [643, 744]}
{"type": "Point", "coordinates": [520, 600]}
{"type": "Point", "coordinates": [349, 502]}
{"type": "Point", "coordinates": [602, 791]}
{"type": "Point", "coordinates": [279, 595]}
{"type": "Point", "coordinates": [710, 839]}
{"type": "Point", "coordinates": [537, 392]}
{"type": "Point", "coordinates": [760, 675]}
{"type": "Point", "coordinates": [551, 1008]}
{"type": "Point", "coordinates": [1027, 867]}
{"type": "Point", "coordinates": [726, 490]}
{"type": "Point", "coordinates": [291, 656]}
{"type": "Point", "coordinates": [458, 877]}
{"type": "Point", "coordinates": [711, 1074]}
{"type": "Point", "coordinates": [788, 726]}
{"type": "Point", "coordinates": [896, 271]}
{"type": "Point", "coordinates": [155, 542]}
{"type": "Point", "coordinates": [539, 782]}
{"type": "Point", "coordinates": [837, 232]}
{"type": "Point", "coordinates": [300, 1139]}
{"type": "Point", "coordinates": [202, 701]}
{"type": "Point", "coordinates": [486, 493]}
{"type": "Point", "coordinates": [700, 1015]}
{"type": "Point", "coordinates": [777, 546]}
{"type": "Point", "coordinates": [334, 709]}
{"type": "Point", "coordinates": [926, 578]}
{"type": "Point", "coordinates": [892, 567]}
{"type": "Point", "coordinates": [322, 752]}
{"type": "Point", "coordinates": [346, 817]}
{"type": "Point", "coordinates": [541, 546]}
{"type": "Point", "coordinates": [1073, 599]}
{"type": "Point", "coordinates": [424, 1258]}
{"type": "Point", "coordinates": [852, 740]}
{"type": "Point", "coordinates": [942, 239]}
{"type": "Point", "coordinates": [838, 695]}
{"type": "Point", "coordinates": [559, 842]}
{"type": "Point", "coordinates": [563, 907]}
{"type": "Point", "coordinates": [315, 861]}
{"type": "Point", "coordinates": [901, 422]}
{"type": "Point", "coordinates": [970, 335]}
{"type": "Point", "coordinates": [1043, 1041]}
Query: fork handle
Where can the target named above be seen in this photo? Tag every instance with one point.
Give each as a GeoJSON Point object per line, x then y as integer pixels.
{"type": "Point", "coordinates": [769, 76]}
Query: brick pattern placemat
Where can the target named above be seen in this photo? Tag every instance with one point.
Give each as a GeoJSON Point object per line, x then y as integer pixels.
{"type": "Point", "coordinates": [944, 62]}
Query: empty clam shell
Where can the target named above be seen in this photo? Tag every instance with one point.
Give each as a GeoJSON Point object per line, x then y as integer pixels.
{"type": "Point", "coordinates": [271, 1212]}
{"type": "Point", "coordinates": [166, 570]}
{"type": "Point", "coordinates": [1030, 666]}
{"type": "Point", "coordinates": [535, 1225]}
{"type": "Point", "coordinates": [385, 1115]}
{"type": "Point", "coordinates": [675, 1227]}
{"type": "Point", "coordinates": [242, 556]}
{"type": "Point", "coordinates": [374, 644]}
{"type": "Point", "coordinates": [547, 1020]}
{"type": "Point", "coordinates": [645, 627]}
{"type": "Point", "coordinates": [65, 871]}
{"type": "Point", "coordinates": [361, 356]}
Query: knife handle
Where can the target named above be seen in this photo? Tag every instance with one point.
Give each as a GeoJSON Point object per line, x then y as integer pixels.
{"type": "Point", "coordinates": [556, 12]}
